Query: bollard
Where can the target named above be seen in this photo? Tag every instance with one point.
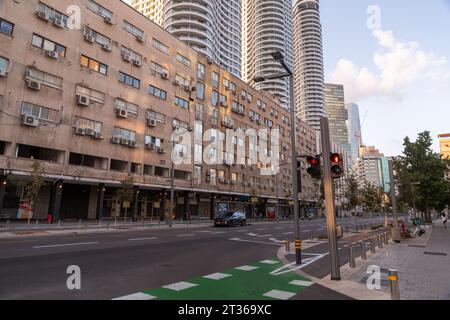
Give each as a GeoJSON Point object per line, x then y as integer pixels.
{"type": "Point", "coordinates": [380, 242]}
{"type": "Point", "coordinates": [372, 245]}
{"type": "Point", "coordinates": [393, 280]}
{"type": "Point", "coordinates": [287, 244]}
{"type": "Point", "coordinates": [363, 250]}
{"type": "Point", "coordinates": [351, 256]}
{"type": "Point", "coordinates": [386, 237]}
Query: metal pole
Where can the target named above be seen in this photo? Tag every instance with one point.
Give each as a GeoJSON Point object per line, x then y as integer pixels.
{"type": "Point", "coordinates": [363, 250]}
{"type": "Point", "coordinates": [329, 200]}
{"type": "Point", "coordinates": [373, 250]}
{"type": "Point", "coordinates": [277, 207]}
{"type": "Point", "coordinates": [351, 256]}
{"type": "Point", "coordinates": [298, 250]}
{"type": "Point", "coordinates": [172, 192]}
{"type": "Point", "coordinates": [393, 280]}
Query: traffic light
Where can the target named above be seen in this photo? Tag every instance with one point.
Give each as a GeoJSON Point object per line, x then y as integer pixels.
{"type": "Point", "coordinates": [299, 176]}
{"type": "Point", "coordinates": [337, 166]}
{"type": "Point", "coordinates": [314, 167]}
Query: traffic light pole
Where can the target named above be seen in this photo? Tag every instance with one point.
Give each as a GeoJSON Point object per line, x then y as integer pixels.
{"type": "Point", "coordinates": [329, 200]}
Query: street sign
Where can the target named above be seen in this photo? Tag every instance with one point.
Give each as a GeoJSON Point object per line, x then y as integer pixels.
{"type": "Point", "coordinates": [126, 204]}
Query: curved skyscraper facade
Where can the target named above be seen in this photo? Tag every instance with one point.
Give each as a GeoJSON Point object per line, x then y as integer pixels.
{"type": "Point", "coordinates": [266, 28]}
{"type": "Point", "coordinates": [308, 63]}
{"type": "Point", "coordinates": [212, 27]}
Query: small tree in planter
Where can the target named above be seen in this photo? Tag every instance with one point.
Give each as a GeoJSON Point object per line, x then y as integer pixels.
{"type": "Point", "coordinates": [126, 193]}
{"type": "Point", "coordinates": [33, 187]}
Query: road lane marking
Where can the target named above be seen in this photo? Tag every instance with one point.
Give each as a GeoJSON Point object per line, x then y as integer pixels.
{"type": "Point", "coordinates": [264, 236]}
{"type": "Point", "coordinates": [247, 268]}
{"type": "Point", "coordinates": [65, 245]}
{"type": "Point", "coordinates": [269, 262]}
{"type": "Point", "coordinates": [217, 276]}
{"type": "Point", "coordinates": [179, 286]}
{"type": "Point", "coordinates": [261, 229]}
{"type": "Point", "coordinates": [301, 283]}
{"type": "Point", "coordinates": [278, 294]}
{"type": "Point", "coordinates": [137, 296]}
{"type": "Point", "coordinates": [260, 242]}
{"type": "Point", "coordinates": [186, 235]}
{"type": "Point", "coordinates": [288, 233]}
{"type": "Point", "coordinates": [276, 240]}
{"type": "Point", "coordinates": [252, 234]}
{"type": "Point", "coordinates": [219, 232]}
{"type": "Point", "coordinates": [143, 239]}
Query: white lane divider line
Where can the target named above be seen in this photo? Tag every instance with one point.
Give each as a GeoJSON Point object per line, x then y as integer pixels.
{"type": "Point", "coordinates": [219, 232]}
{"type": "Point", "coordinates": [217, 276]}
{"type": "Point", "coordinates": [186, 235]}
{"type": "Point", "coordinates": [143, 239]}
{"type": "Point", "coordinates": [180, 286]}
{"type": "Point", "coordinates": [288, 233]}
{"type": "Point", "coordinates": [269, 262]}
{"type": "Point", "coordinates": [247, 268]}
{"type": "Point", "coordinates": [264, 236]}
{"type": "Point", "coordinates": [204, 231]}
{"type": "Point", "coordinates": [260, 242]}
{"type": "Point", "coordinates": [278, 294]}
{"type": "Point", "coordinates": [243, 230]}
{"type": "Point", "coordinates": [137, 296]}
{"type": "Point", "coordinates": [65, 245]}
{"type": "Point", "coordinates": [301, 283]}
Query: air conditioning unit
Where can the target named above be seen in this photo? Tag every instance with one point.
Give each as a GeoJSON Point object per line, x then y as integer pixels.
{"type": "Point", "coordinates": [161, 150]}
{"type": "Point", "coordinates": [98, 135]}
{"type": "Point", "coordinates": [51, 54]}
{"type": "Point", "coordinates": [234, 92]}
{"type": "Point", "coordinates": [227, 87]}
{"type": "Point", "coordinates": [175, 125]}
{"type": "Point", "coordinates": [108, 19]}
{"type": "Point", "coordinates": [88, 36]}
{"type": "Point", "coordinates": [116, 140]}
{"type": "Point", "coordinates": [122, 113]}
{"type": "Point", "coordinates": [272, 113]}
{"type": "Point", "coordinates": [233, 182]}
{"type": "Point", "coordinates": [151, 146]}
{"type": "Point", "coordinates": [222, 180]}
{"type": "Point", "coordinates": [106, 47]}
{"type": "Point", "coordinates": [126, 56]}
{"type": "Point", "coordinates": [59, 23]}
{"type": "Point", "coordinates": [208, 179]}
{"type": "Point", "coordinates": [224, 104]}
{"type": "Point", "coordinates": [33, 85]}
{"type": "Point", "coordinates": [80, 131]}
{"type": "Point", "coordinates": [30, 121]}
{"type": "Point", "coordinates": [41, 14]}
{"type": "Point", "coordinates": [151, 122]}
{"type": "Point", "coordinates": [165, 75]}
{"type": "Point", "coordinates": [125, 142]}
{"type": "Point", "coordinates": [137, 63]}
{"type": "Point", "coordinates": [83, 100]}
{"type": "Point", "coordinates": [133, 144]}
{"type": "Point", "coordinates": [139, 38]}
{"type": "Point", "coordinates": [90, 132]}
{"type": "Point", "coordinates": [209, 60]}
{"type": "Point", "coordinates": [181, 154]}
{"type": "Point", "coordinates": [187, 88]}
{"type": "Point", "coordinates": [252, 118]}
{"type": "Point", "coordinates": [176, 82]}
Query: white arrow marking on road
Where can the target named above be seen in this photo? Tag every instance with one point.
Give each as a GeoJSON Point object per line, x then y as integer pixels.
{"type": "Point", "coordinates": [65, 245]}
{"type": "Point", "coordinates": [290, 267]}
{"type": "Point", "coordinates": [252, 234]}
{"type": "Point", "coordinates": [261, 242]}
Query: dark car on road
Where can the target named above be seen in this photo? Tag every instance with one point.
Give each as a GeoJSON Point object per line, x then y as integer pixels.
{"type": "Point", "coordinates": [230, 219]}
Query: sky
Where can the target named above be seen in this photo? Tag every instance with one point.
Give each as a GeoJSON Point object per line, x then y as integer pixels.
{"type": "Point", "coordinates": [393, 58]}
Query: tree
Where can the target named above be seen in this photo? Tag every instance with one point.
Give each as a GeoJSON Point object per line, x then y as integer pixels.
{"type": "Point", "coordinates": [352, 192]}
{"type": "Point", "coordinates": [372, 197]}
{"type": "Point", "coordinates": [126, 193]}
{"type": "Point", "coordinates": [421, 175]}
{"type": "Point", "coordinates": [33, 186]}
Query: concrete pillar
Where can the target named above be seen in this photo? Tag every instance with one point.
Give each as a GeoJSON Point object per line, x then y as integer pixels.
{"type": "Point", "coordinates": [100, 200]}
{"type": "Point", "coordinates": [211, 208]}
{"type": "Point", "coordinates": [163, 205]}
{"type": "Point", "coordinates": [2, 191]}
{"type": "Point", "coordinates": [135, 203]}
{"type": "Point", "coordinates": [56, 207]}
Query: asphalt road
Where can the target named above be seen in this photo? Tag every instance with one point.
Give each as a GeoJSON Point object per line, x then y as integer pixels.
{"type": "Point", "coordinates": [116, 264]}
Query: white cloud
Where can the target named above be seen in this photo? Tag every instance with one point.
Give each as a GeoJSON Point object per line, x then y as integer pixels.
{"type": "Point", "coordinates": [398, 64]}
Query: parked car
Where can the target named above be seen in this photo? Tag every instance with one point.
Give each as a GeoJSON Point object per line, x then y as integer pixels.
{"type": "Point", "coordinates": [231, 219]}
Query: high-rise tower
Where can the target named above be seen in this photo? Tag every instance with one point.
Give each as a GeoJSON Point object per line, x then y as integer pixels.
{"type": "Point", "coordinates": [212, 27]}
{"type": "Point", "coordinates": [308, 62]}
{"type": "Point", "coordinates": [266, 28]}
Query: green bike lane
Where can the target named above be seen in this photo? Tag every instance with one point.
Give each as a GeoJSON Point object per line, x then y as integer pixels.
{"type": "Point", "coordinates": [262, 280]}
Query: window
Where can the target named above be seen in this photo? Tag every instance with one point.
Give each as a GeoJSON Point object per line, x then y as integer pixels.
{"type": "Point", "coordinates": [250, 98]}
{"type": "Point", "coordinates": [156, 92]}
{"type": "Point", "coordinates": [93, 95]}
{"type": "Point", "coordinates": [44, 78]}
{"type": "Point", "coordinates": [94, 65]}
{"type": "Point", "coordinates": [4, 65]}
{"type": "Point", "coordinates": [84, 123]}
{"type": "Point", "coordinates": [41, 113]}
{"type": "Point", "coordinates": [129, 80]}
{"type": "Point", "coordinates": [215, 80]}
{"type": "Point", "coordinates": [181, 103]}
{"type": "Point", "coordinates": [198, 174]}
{"type": "Point", "coordinates": [158, 45]}
{"type": "Point", "coordinates": [134, 56]}
{"type": "Point", "coordinates": [125, 105]}
{"type": "Point", "coordinates": [182, 80]}
{"type": "Point", "coordinates": [213, 176]}
{"type": "Point", "coordinates": [201, 72]}
{"type": "Point", "coordinates": [6, 27]}
{"type": "Point", "coordinates": [268, 123]}
{"type": "Point", "coordinates": [200, 91]}
{"type": "Point", "coordinates": [233, 87]}
{"type": "Point", "coordinates": [158, 142]}
{"type": "Point", "coordinates": [215, 98]}
{"type": "Point", "coordinates": [48, 45]}
{"type": "Point", "coordinates": [184, 60]}
{"type": "Point", "coordinates": [198, 153]}
{"type": "Point", "coordinates": [214, 116]}
{"type": "Point", "coordinates": [124, 134]}
{"type": "Point", "coordinates": [226, 84]}
{"type": "Point", "coordinates": [156, 68]}
{"type": "Point", "coordinates": [200, 112]}
{"type": "Point", "coordinates": [181, 124]}
{"type": "Point", "coordinates": [198, 131]}
{"type": "Point", "coordinates": [98, 9]}
{"type": "Point", "coordinates": [54, 15]}
{"type": "Point", "coordinates": [135, 31]}
{"type": "Point", "coordinates": [96, 36]}
{"type": "Point", "coordinates": [158, 117]}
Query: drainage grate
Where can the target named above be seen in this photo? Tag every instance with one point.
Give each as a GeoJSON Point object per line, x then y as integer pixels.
{"type": "Point", "coordinates": [436, 253]}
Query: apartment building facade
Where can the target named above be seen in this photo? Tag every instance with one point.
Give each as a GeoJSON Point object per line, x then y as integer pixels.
{"type": "Point", "coordinates": [93, 91]}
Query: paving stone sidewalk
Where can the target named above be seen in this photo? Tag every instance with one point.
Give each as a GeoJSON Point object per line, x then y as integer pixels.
{"type": "Point", "coordinates": [423, 265]}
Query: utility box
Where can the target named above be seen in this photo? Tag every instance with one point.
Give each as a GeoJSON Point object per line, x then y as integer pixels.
{"type": "Point", "coordinates": [396, 234]}
{"type": "Point", "coordinates": [339, 232]}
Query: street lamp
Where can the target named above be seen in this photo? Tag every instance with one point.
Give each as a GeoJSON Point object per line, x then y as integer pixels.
{"type": "Point", "coordinates": [278, 56]}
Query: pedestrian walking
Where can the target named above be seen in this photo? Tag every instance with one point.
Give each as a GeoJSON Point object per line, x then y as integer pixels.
{"type": "Point", "coordinates": [444, 217]}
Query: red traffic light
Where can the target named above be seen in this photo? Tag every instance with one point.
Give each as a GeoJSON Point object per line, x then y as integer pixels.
{"type": "Point", "coordinates": [335, 158]}
{"type": "Point", "coordinates": [312, 161]}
